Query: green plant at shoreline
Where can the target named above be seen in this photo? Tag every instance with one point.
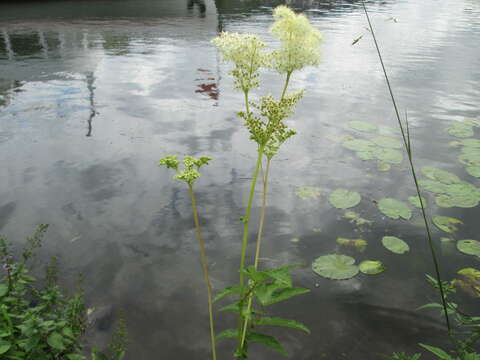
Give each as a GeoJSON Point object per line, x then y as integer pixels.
{"type": "Point", "coordinates": [41, 322]}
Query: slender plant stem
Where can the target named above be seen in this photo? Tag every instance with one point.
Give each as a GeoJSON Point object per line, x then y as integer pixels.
{"type": "Point", "coordinates": [406, 140]}
{"type": "Point", "coordinates": [286, 85]}
{"type": "Point", "coordinates": [260, 227]}
{"type": "Point", "coordinates": [203, 260]}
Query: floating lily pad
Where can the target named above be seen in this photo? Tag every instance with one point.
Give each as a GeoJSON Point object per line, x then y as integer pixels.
{"type": "Point", "coordinates": [394, 208]}
{"type": "Point", "coordinates": [295, 240]}
{"type": "Point", "coordinates": [469, 247]}
{"type": "Point", "coordinates": [474, 170]}
{"type": "Point", "coordinates": [362, 126]}
{"type": "Point", "coordinates": [470, 156]}
{"type": "Point", "coordinates": [415, 201]}
{"type": "Point", "coordinates": [460, 130]}
{"type": "Point", "coordinates": [387, 155]}
{"type": "Point", "coordinates": [358, 244]}
{"type": "Point", "coordinates": [371, 267]}
{"type": "Point", "coordinates": [355, 217]}
{"type": "Point", "coordinates": [395, 244]}
{"type": "Point", "coordinates": [317, 229]}
{"type": "Point", "coordinates": [474, 143]}
{"type": "Point", "coordinates": [308, 192]}
{"type": "Point", "coordinates": [443, 176]}
{"type": "Point", "coordinates": [335, 266]}
{"type": "Point", "coordinates": [359, 145]}
{"type": "Point", "coordinates": [469, 281]}
{"type": "Point", "coordinates": [387, 142]}
{"type": "Point", "coordinates": [344, 199]}
{"type": "Point", "coordinates": [450, 190]}
{"type": "Point", "coordinates": [383, 166]}
{"type": "Point", "coordinates": [447, 224]}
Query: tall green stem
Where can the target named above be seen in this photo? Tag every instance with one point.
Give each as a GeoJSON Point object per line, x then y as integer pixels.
{"type": "Point", "coordinates": [203, 260]}
{"type": "Point", "coordinates": [287, 80]}
{"type": "Point", "coordinates": [414, 175]}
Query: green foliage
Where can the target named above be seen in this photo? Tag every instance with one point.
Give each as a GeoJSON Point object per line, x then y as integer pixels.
{"type": "Point", "coordinates": [192, 166]}
{"type": "Point", "coordinates": [403, 356]}
{"type": "Point", "coordinates": [469, 247]}
{"type": "Point", "coordinates": [41, 323]}
{"type": "Point", "coordinates": [447, 224]}
{"type": "Point", "coordinates": [371, 267]}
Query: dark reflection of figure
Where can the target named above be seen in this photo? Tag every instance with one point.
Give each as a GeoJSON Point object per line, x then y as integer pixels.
{"type": "Point", "coordinates": [200, 3]}
{"type": "Point", "coordinates": [91, 87]}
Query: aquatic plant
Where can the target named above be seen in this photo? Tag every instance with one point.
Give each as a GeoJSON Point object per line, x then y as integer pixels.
{"type": "Point", "coordinates": [335, 266]}
{"type": "Point", "coordinates": [189, 174]}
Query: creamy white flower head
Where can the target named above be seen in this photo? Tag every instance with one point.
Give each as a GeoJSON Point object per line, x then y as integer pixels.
{"type": "Point", "coordinates": [300, 41]}
{"type": "Point", "coordinates": [246, 53]}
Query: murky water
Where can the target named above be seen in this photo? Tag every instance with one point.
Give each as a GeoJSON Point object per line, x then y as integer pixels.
{"type": "Point", "coordinates": [93, 93]}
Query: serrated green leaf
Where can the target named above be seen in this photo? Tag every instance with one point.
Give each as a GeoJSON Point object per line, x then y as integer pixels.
{"type": "Point", "coordinates": [437, 351]}
{"type": "Point", "coordinates": [4, 346]}
{"type": "Point", "coordinates": [266, 340]}
{"type": "Point", "coordinates": [276, 321]}
{"type": "Point", "coordinates": [227, 291]}
{"type": "Point", "coordinates": [55, 340]}
{"type": "Point", "coordinates": [264, 292]}
{"type": "Point", "coordinates": [285, 294]}
{"type": "Point", "coordinates": [3, 289]}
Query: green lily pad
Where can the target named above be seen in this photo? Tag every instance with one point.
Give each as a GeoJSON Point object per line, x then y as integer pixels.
{"type": "Point", "coordinates": [443, 176]}
{"type": "Point", "coordinates": [308, 192]}
{"type": "Point", "coordinates": [383, 166]}
{"type": "Point", "coordinates": [460, 130]}
{"type": "Point", "coordinates": [395, 244]}
{"type": "Point", "coordinates": [469, 281]}
{"type": "Point", "coordinates": [335, 266]}
{"type": "Point", "coordinates": [474, 170]}
{"type": "Point", "coordinates": [415, 201]}
{"type": "Point", "coordinates": [295, 240]}
{"type": "Point", "coordinates": [470, 156]}
{"type": "Point", "coordinates": [344, 199]}
{"type": "Point", "coordinates": [447, 224]}
{"type": "Point", "coordinates": [387, 155]}
{"type": "Point", "coordinates": [358, 244]}
{"type": "Point", "coordinates": [355, 217]}
{"type": "Point", "coordinates": [362, 126]}
{"type": "Point", "coordinates": [371, 267]}
{"type": "Point", "coordinates": [394, 208]}
{"type": "Point", "coordinates": [474, 143]}
{"type": "Point", "coordinates": [359, 145]}
{"type": "Point", "coordinates": [469, 247]}
{"type": "Point", "coordinates": [387, 142]}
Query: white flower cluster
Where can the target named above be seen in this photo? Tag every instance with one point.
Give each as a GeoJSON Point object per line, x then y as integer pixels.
{"type": "Point", "coordinates": [300, 41]}
{"type": "Point", "coordinates": [246, 52]}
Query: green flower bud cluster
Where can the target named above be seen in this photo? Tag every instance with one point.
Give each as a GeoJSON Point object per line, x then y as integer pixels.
{"type": "Point", "coordinates": [192, 166]}
{"type": "Point", "coordinates": [271, 132]}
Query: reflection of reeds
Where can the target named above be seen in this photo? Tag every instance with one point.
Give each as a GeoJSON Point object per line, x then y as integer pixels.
{"type": "Point", "coordinates": [405, 131]}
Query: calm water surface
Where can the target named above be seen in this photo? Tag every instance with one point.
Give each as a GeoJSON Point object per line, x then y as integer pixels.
{"type": "Point", "coordinates": [93, 93]}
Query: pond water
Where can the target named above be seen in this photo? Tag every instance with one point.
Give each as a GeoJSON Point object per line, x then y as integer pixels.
{"type": "Point", "coordinates": [93, 93]}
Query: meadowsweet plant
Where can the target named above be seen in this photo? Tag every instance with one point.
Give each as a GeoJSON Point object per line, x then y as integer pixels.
{"type": "Point", "coordinates": [189, 174]}
{"type": "Point", "coordinates": [265, 120]}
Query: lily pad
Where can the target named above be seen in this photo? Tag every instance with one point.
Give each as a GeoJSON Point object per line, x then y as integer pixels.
{"type": "Point", "coordinates": [362, 126]}
{"type": "Point", "coordinates": [474, 170]}
{"type": "Point", "coordinates": [469, 281]}
{"type": "Point", "coordinates": [383, 166]}
{"type": "Point", "coordinates": [355, 217]}
{"type": "Point", "coordinates": [344, 199]}
{"type": "Point", "coordinates": [335, 266]}
{"type": "Point", "coordinates": [387, 155]}
{"type": "Point", "coordinates": [371, 267]}
{"type": "Point", "coordinates": [358, 244]}
{"type": "Point", "coordinates": [415, 201]}
{"type": "Point", "coordinates": [474, 143]}
{"type": "Point", "coordinates": [470, 156]}
{"type": "Point", "coordinates": [394, 208]}
{"type": "Point", "coordinates": [395, 244]}
{"type": "Point", "coordinates": [460, 130]}
{"type": "Point", "coordinates": [359, 145]}
{"type": "Point", "coordinates": [469, 247]}
{"type": "Point", "coordinates": [447, 224]}
{"type": "Point", "coordinates": [387, 142]}
{"type": "Point", "coordinates": [308, 192]}
{"type": "Point", "coordinates": [443, 176]}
